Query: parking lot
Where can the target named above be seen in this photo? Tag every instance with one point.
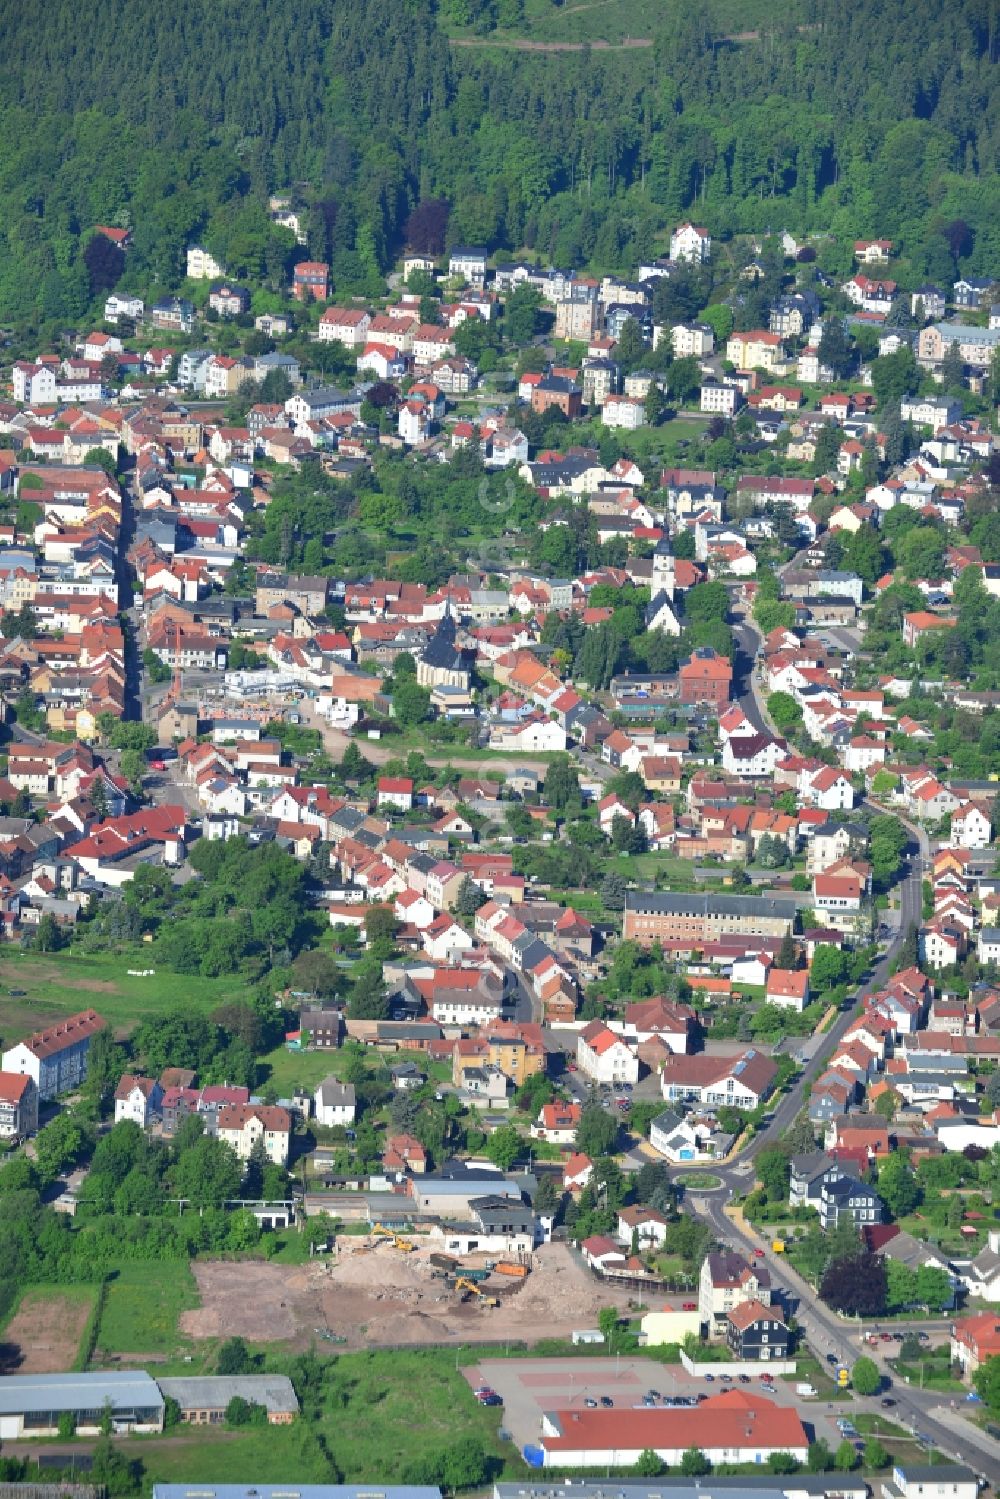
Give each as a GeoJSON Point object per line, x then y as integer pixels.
{"type": "Point", "coordinates": [528, 1387]}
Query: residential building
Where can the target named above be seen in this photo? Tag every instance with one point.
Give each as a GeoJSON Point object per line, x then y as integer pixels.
{"type": "Point", "coordinates": [706, 677]}
{"type": "Point", "coordinates": [468, 262]}
{"type": "Point", "coordinates": [653, 917]}
{"type": "Point", "coordinates": [311, 281]}
{"type": "Point", "coordinates": [757, 1332]}
{"type": "Point", "coordinates": [844, 1197]}
{"type": "Point", "coordinates": [18, 1106]}
{"type": "Point", "coordinates": [202, 265]}
{"type": "Point", "coordinates": [727, 1281]}
{"type": "Point", "coordinates": [243, 1125]}
{"type": "Point", "coordinates": [691, 243]}
{"type": "Point", "coordinates": [605, 1057]}
{"type": "Point", "coordinates": [933, 1481]}
{"type": "Point", "coordinates": [137, 1098]}
{"type": "Point", "coordinates": [56, 1058]}
{"type": "Point", "coordinates": [976, 346]}
{"type": "Point", "coordinates": [334, 1103]}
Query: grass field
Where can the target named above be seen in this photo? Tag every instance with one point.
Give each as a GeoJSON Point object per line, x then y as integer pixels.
{"type": "Point", "coordinates": [286, 1070]}
{"type": "Point", "coordinates": [374, 1397]}
{"type": "Point", "coordinates": [210, 1456]}
{"type": "Point", "coordinates": [142, 1310]}
{"type": "Point", "coordinates": [370, 1401]}
{"type": "Point", "coordinates": [58, 984]}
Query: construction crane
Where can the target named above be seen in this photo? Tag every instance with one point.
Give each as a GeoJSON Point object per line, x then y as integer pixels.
{"type": "Point", "coordinates": [465, 1286]}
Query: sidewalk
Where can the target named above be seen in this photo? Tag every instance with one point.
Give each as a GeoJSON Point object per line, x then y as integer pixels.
{"type": "Point", "coordinates": [987, 1447]}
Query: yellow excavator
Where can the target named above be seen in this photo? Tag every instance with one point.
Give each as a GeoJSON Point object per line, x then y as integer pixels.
{"type": "Point", "coordinates": [380, 1233]}
{"type": "Point", "coordinates": [464, 1286]}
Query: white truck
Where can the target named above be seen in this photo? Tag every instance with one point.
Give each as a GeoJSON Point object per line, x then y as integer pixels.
{"type": "Point", "coordinates": [807, 1391]}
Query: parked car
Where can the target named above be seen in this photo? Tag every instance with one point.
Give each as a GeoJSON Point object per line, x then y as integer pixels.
{"type": "Point", "coordinates": [590, 1403]}
{"type": "Point", "coordinates": [607, 1401]}
{"type": "Point", "coordinates": [710, 1378]}
{"type": "Point", "coordinates": [887, 1403]}
{"type": "Point", "coordinates": [744, 1379]}
{"type": "Point", "coordinates": [726, 1378]}
{"type": "Point", "coordinates": [689, 1306]}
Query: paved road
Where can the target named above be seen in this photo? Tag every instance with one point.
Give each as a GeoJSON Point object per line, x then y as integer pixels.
{"type": "Point", "coordinates": [826, 1332]}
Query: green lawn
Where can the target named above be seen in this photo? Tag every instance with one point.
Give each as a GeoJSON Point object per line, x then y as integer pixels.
{"type": "Point", "coordinates": [286, 1070]}
{"type": "Point", "coordinates": [142, 1309]}
{"type": "Point", "coordinates": [273, 1454]}
{"type": "Point", "coordinates": [58, 984]}
{"type": "Point", "coordinates": [931, 1372]}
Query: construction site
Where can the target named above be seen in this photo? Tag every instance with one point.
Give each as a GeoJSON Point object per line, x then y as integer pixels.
{"type": "Point", "coordinates": [391, 1290]}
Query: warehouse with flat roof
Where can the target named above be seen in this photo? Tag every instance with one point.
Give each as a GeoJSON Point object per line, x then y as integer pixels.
{"type": "Point", "coordinates": [31, 1405]}
{"type": "Point", "coordinates": [294, 1491]}
{"type": "Point", "coordinates": [203, 1399]}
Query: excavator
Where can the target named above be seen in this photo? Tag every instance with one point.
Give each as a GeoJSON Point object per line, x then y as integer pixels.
{"type": "Point", "coordinates": [380, 1233]}
{"type": "Point", "coordinates": [465, 1287]}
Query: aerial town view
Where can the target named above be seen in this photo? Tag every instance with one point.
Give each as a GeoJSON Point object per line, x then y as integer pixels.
{"type": "Point", "coordinates": [500, 750]}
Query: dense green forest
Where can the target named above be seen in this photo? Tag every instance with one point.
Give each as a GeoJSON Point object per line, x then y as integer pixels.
{"type": "Point", "coordinates": [875, 118]}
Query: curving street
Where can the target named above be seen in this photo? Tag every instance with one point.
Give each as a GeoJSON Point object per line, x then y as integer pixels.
{"type": "Point", "coordinates": [926, 1412]}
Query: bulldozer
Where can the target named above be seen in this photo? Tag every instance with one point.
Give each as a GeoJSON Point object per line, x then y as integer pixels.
{"type": "Point", "coordinates": [467, 1287]}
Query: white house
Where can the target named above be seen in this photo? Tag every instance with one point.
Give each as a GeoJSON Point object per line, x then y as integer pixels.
{"type": "Point", "coordinates": [395, 791]}
{"type": "Point", "coordinates": [690, 340]}
{"type": "Point", "coordinates": [829, 789]}
{"type": "Point", "coordinates": [688, 242]}
{"type": "Point", "coordinates": [119, 306]}
{"type": "Point", "coordinates": [334, 1103]}
{"type": "Point", "coordinates": [721, 400]}
{"type": "Point", "coordinates": [971, 827]}
{"type": "Point", "coordinates": [605, 1057]}
{"type": "Point", "coordinates": [445, 940]}
{"type": "Point", "coordinates": [752, 754]}
{"type": "Point", "coordinates": [201, 266]}
{"type": "Point", "coordinates": [642, 1223]}
{"type": "Point", "coordinates": [988, 945]}
{"type": "Point", "coordinates": [623, 411]}
{"type": "Point", "coordinates": [138, 1099]}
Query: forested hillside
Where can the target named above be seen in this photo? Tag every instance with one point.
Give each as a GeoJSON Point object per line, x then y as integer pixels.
{"type": "Point", "coordinates": [874, 118]}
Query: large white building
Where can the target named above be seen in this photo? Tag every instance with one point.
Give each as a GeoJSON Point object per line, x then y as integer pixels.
{"type": "Point", "coordinates": [56, 1058]}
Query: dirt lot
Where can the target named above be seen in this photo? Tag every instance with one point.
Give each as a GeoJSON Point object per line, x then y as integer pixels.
{"type": "Point", "coordinates": [47, 1328]}
{"type": "Point", "coordinates": [380, 1297]}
